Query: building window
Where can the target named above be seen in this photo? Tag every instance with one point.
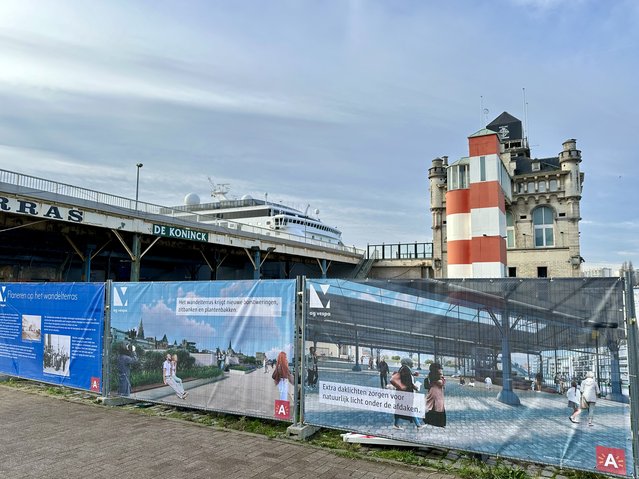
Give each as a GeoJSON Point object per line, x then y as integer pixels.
{"type": "Point", "coordinates": [531, 187]}
{"type": "Point", "coordinates": [542, 186]}
{"type": "Point", "coordinates": [510, 230]}
{"type": "Point", "coordinates": [553, 185]}
{"type": "Point", "coordinates": [543, 223]}
{"type": "Point", "coordinates": [482, 168]}
{"type": "Point", "coordinates": [512, 272]}
{"type": "Point", "coordinates": [542, 271]}
{"type": "Point", "coordinates": [522, 187]}
{"type": "Point", "coordinates": [458, 177]}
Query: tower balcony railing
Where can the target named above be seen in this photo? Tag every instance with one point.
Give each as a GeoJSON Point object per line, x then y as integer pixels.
{"type": "Point", "coordinates": [399, 251]}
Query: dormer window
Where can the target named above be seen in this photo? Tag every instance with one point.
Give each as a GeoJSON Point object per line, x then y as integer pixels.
{"type": "Point", "coordinates": [536, 165]}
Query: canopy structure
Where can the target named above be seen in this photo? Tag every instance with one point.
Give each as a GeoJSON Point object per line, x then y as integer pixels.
{"type": "Point", "coordinates": [456, 317]}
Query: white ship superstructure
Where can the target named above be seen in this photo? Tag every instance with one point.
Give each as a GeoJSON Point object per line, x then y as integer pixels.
{"type": "Point", "coordinates": [258, 213]}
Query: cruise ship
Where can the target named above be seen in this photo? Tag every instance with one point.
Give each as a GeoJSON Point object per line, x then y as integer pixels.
{"type": "Point", "coordinates": [258, 213]}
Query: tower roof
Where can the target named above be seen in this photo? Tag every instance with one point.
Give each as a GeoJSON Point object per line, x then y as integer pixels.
{"type": "Point", "coordinates": [504, 118]}
{"type": "Point", "coordinates": [482, 132]}
{"type": "Point", "coordinates": [507, 126]}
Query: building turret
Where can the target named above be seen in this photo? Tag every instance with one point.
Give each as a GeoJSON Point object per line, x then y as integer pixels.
{"type": "Point", "coordinates": [569, 160]}
{"type": "Point", "coordinates": [437, 176]}
{"type": "Point", "coordinates": [437, 179]}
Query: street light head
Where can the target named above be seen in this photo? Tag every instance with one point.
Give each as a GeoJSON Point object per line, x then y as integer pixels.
{"type": "Point", "coordinates": [139, 165]}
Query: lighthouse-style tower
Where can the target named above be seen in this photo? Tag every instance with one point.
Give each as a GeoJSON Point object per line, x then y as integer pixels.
{"type": "Point", "coordinates": [500, 200]}
{"type": "Point", "coordinates": [476, 210]}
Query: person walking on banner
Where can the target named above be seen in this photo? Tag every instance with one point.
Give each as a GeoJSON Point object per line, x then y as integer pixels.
{"type": "Point", "coordinates": [311, 368]}
{"type": "Point", "coordinates": [402, 380]}
{"type": "Point", "coordinates": [282, 376]}
{"type": "Point", "coordinates": [383, 372]}
{"type": "Point", "coordinates": [589, 393]}
{"type": "Point", "coordinates": [436, 411]}
{"type": "Point", "coordinates": [126, 358]}
{"type": "Point", "coordinates": [574, 400]}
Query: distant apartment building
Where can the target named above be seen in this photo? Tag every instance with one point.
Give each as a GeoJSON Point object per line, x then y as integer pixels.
{"type": "Point", "coordinates": [501, 213]}
{"type": "Point", "coordinates": [599, 273]}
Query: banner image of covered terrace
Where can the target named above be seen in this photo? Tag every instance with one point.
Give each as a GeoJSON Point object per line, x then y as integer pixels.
{"type": "Point", "coordinates": [492, 360]}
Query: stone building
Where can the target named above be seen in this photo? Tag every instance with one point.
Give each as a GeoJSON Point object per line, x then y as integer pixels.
{"type": "Point", "coordinates": [500, 212]}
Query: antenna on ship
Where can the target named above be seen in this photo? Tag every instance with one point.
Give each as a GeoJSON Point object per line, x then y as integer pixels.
{"type": "Point", "coordinates": [219, 191]}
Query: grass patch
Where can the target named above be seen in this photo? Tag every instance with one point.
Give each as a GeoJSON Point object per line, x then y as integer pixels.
{"type": "Point", "coordinates": [405, 456]}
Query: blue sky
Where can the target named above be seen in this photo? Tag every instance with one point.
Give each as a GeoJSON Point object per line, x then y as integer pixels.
{"type": "Point", "coordinates": [338, 104]}
{"type": "Point", "coordinates": [156, 305]}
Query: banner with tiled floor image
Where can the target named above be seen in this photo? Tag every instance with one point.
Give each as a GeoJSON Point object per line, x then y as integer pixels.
{"type": "Point", "coordinates": [485, 366]}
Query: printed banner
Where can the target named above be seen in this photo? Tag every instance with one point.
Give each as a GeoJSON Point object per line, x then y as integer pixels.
{"type": "Point", "coordinates": [52, 332]}
{"type": "Point", "coordinates": [524, 369]}
{"type": "Point", "coordinates": [225, 346]}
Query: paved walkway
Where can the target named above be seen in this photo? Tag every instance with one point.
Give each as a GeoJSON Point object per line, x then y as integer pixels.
{"type": "Point", "coordinates": [47, 437]}
{"type": "Point", "coordinates": [538, 430]}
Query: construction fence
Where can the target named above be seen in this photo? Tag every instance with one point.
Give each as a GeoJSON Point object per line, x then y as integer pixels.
{"type": "Point", "coordinates": [531, 369]}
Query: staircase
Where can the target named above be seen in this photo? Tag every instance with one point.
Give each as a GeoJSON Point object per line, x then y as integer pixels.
{"type": "Point", "coordinates": [362, 268]}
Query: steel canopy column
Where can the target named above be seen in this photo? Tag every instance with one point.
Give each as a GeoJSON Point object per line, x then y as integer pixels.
{"type": "Point", "coordinates": [615, 374]}
{"type": "Point", "coordinates": [86, 273]}
{"type": "Point", "coordinates": [507, 395]}
{"type": "Point", "coordinates": [257, 264]}
{"type": "Point", "coordinates": [323, 267]}
{"type": "Point", "coordinates": [135, 258]}
{"type": "Point", "coordinates": [357, 367]}
{"type": "Point", "coordinates": [633, 365]}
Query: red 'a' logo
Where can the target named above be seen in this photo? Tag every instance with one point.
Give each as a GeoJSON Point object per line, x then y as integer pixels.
{"type": "Point", "coordinates": [612, 460]}
{"type": "Point", "coordinates": [282, 409]}
{"type": "Point", "coordinates": [95, 384]}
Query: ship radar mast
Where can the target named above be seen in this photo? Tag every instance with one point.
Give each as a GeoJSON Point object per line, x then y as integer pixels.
{"type": "Point", "coordinates": [219, 190]}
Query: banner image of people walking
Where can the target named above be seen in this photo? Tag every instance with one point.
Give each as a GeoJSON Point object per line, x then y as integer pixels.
{"type": "Point", "coordinates": [52, 332]}
{"type": "Point", "coordinates": [524, 369]}
{"type": "Point", "coordinates": [223, 346]}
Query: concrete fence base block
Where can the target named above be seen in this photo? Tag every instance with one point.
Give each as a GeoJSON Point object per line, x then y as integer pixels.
{"type": "Point", "coordinates": [301, 432]}
{"type": "Point", "coordinates": [115, 401]}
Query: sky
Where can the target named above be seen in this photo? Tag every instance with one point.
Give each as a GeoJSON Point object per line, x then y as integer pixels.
{"type": "Point", "coordinates": [160, 306]}
{"type": "Point", "coordinates": [340, 105]}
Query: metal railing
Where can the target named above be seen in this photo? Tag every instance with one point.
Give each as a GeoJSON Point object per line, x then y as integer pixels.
{"type": "Point", "coordinates": [35, 187]}
{"type": "Point", "coordinates": [397, 251]}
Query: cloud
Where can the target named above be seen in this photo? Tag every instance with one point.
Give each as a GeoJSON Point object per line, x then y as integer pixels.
{"type": "Point", "coordinates": [158, 320]}
{"type": "Point", "coordinates": [341, 105]}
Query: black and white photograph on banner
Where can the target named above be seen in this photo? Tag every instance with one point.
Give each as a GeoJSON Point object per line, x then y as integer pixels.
{"type": "Point", "coordinates": [486, 366]}
{"type": "Point", "coordinates": [57, 352]}
{"type": "Point", "coordinates": [31, 327]}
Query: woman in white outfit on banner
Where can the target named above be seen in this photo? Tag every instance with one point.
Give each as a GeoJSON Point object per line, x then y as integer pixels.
{"type": "Point", "coordinates": [168, 379]}
{"type": "Point", "coordinates": [178, 381]}
{"type": "Point", "coordinates": [589, 393]}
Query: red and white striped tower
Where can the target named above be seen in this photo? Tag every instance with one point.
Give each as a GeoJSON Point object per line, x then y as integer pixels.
{"type": "Point", "coordinates": [476, 211]}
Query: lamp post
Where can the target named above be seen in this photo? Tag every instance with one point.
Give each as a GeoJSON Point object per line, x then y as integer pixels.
{"type": "Point", "coordinates": [137, 183]}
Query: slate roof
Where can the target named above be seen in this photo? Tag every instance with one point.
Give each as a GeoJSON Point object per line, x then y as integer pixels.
{"type": "Point", "coordinates": [524, 165]}
{"type": "Point", "coordinates": [502, 119]}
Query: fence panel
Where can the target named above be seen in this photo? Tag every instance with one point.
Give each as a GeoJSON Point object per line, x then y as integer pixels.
{"type": "Point", "coordinates": [52, 332]}
{"type": "Point", "coordinates": [230, 341]}
{"type": "Point", "coordinates": [485, 366]}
